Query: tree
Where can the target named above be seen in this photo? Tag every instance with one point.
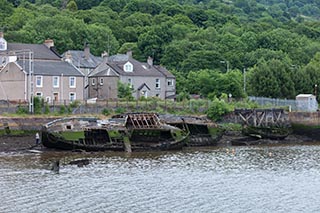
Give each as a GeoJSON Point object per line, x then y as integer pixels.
{"type": "Point", "coordinates": [72, 6]}
{"type": "Point", "coordinates": [124, 91]}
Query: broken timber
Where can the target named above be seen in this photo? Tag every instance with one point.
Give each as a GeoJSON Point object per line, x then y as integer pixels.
{"type": "Point", "coordinates": [263, 117]}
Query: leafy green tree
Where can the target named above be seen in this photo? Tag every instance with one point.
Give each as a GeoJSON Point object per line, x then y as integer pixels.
{"type": "Point", "coordinates": [124, 91]}
{"type": "Point", "coordinates": [72, 6]}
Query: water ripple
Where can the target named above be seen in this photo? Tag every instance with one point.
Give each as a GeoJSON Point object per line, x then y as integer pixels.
{"type": "Point", "coordinates": [233, 179]}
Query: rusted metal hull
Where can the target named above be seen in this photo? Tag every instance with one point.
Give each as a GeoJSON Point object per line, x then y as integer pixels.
{"type": "Point", "coordinates": [134, 133]}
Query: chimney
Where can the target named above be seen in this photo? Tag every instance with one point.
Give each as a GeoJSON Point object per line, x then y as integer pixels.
{"type": "Point", "coordinates": [49, 43]}
{"type": "Point", "coordinates": [68, 56]}
{"type": "Point", "coordinates": [105, 57]}
{"type": "Point", "coordinates": [150, 61]}
{"type": "Point", "coordinates": [129, 53]}
{"type": "Point", "coordinates": [3, 43]}
{"type": "Point", "coordinates": [87, 51]}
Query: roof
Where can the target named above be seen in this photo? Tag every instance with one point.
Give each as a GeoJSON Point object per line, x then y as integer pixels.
{"type": "Point", "coordinates": [139, 69]}
{"type": "Point", "coordinates": [164, 71]}
{"type": "Point", "coordinates": [103, 70]}
{"type": "Point", "coordinates": [142, 86]}
{"type": "Point", "coordinates": [52, 68]}
{"type": "Point", "coordinates": [79, 59]}
{"type": "Point", "coordinates": [40, 51]}
{"type": "Point", "coordinates": [305, 96]}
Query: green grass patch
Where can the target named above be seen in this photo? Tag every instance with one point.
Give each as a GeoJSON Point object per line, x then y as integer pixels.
{"type": "Point", "coordinates": [72, 136]}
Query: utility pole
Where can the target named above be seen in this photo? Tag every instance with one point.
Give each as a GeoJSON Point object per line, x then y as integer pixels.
{"type": "Point", "coordinates": [244, 79]}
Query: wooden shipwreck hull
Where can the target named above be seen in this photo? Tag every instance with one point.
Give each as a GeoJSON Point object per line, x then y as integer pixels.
{"type": "Point", "coordinates": [203, 132]}
{"type": "Point", "coordinates": [130, 132]}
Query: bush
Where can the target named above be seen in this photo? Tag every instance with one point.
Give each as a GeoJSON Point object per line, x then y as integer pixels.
{"type": "Point", "coordinates": [120, 110]}
{"type": "Point", "coordinates": [22, 110]}
{"type": "Point", "coordinates": [106, 112]}
{"type": "Point", "coordinates": [46, 109]}
{"type": "Point", "coordinates": [37, 105]}
{"type": "Point", "coordinates": [218, 109]}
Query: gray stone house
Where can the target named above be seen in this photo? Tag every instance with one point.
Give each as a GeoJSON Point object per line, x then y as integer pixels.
{"type": "Point", "coordinates": [84, 61]}
{"type": "Point", "coordinates": [146, 79]}
{"type": "Point", "coordinates": [37, 69]}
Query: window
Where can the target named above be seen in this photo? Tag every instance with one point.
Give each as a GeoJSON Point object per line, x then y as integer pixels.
{"type": "Point", "coordinates": [93, 81]}
{"type": "Point", "coordinates": [38, 81]}
{"type": "Point", "coordinates": [48, 99]}
{"type": "Point", "coordinates": [170, 82]}
{"type": "Point", "coordinates": [55, 80]}
{"type": "Point", "coordinates": [39, 94]}
{"type": "Point", "coordinates": [157, 83]}
{"type": "Point", "coordinates": [128, 67]}
{"type": "Point", "coordinates": [101, 81]}
{"type": "Point", "coordinates": [55, 96]}
{"type": "Point", "coordinates": [72, 82]}
{"type": "Point", "coordinates": [72, 96]}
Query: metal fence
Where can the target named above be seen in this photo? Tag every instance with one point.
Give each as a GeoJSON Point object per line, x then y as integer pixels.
{"type": "Point", "coordinates": [83, 107]}
{"type": "Point", "coordinates": [293, 105]}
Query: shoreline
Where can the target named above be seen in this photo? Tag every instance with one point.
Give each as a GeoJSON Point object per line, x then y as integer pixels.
{"type": "Point", "coordinates": [13, 143]}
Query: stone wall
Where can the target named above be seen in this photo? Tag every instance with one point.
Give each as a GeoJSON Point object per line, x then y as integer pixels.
{"type": "Point", "coordinates": [23, 123]}
{"type": "Point", "coordinates": [305, 118]}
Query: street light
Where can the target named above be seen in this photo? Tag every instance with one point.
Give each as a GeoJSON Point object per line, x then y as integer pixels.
{"type": "Point", "coordinates": [227, 63]}
{"type": "Point", "coordinates": [244, 79]}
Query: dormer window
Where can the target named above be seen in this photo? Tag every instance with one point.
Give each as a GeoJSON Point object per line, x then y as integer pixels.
{"type": "Point", "coordinates": [127, 67]}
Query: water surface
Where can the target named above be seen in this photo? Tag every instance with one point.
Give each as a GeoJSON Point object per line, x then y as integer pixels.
{"type": "Point", "coordinates": [228, 179]}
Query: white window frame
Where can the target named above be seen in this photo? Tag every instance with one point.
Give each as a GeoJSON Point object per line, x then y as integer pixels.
{"type": "Point", "coordinates": [127, 67]}
{"type": "Point", "coordinates": [74, 96]}
{"type": "Point", "coordinates": [39, 94]}
{"type": "Point", "coordinates": [48, 99]}
{"type": "Point", "coordinates": [170, 82]}
{"type": "Point", "coordinates": [39, 77]}
{"type": "Point", "coordinates": [101, 81]}
{"type": "Point", "coordinates": [93, 81]}
{"type": "Point", "coordinates": [57, 81]}
{"type": "Point", "coordinates": [158, 83]}
{"type": "Point", "coordinates": [74, 82]}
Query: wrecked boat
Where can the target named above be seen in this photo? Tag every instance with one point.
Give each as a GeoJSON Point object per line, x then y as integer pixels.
{"type": "Point", "coordinates": [202, 131]}
{"type": "Point", "coordinates": [130, 132]}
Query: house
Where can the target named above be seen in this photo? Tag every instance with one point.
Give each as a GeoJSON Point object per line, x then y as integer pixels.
{"type": "Point", "coordinates": [84, 61]}
{"type": "Point", "coordinates": [306, 102]}
{"type": "Point", "coordinates": [103, 81]}
{"type": "Point", "coordinates": [28, 70]}
{"type": "Point", "coordinates": [146, 79]}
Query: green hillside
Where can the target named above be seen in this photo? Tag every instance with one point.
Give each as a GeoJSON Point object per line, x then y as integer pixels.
{"type": "Point", "coordinates": [276, 42]}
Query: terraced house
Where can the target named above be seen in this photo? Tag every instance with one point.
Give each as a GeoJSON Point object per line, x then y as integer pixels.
{"type": "Point", "coordinates": [28, 70]}
{"type": "Point", "coordinates": [146, 79]}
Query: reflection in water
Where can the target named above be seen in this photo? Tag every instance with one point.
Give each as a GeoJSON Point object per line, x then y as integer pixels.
{"type": "Point", "coordinates": [233, 179]}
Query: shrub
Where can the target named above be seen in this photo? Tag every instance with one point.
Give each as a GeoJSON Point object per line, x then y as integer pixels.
{"type": "Point", "coordinates": [22, 110]}
{"type": "Point", "coordinates": [37, 105]}
{"type": "Point", "coordinates": [120, 110]}
{"type": "Point", "coordinates": [217, 109]}
{"type": "Point", "coordinates": [106, 112]}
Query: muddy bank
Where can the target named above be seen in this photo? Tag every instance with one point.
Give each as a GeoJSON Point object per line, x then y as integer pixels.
{"type": "Point", "coordinates": [231, 137]}
{"type": "Point", "coordinates": [16, 143]}
{"type": "Point", "coordinates": [23, 143]}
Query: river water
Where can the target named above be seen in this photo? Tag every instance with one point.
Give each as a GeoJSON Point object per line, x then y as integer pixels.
{"type": "Point", "coordinates": [225, 179]}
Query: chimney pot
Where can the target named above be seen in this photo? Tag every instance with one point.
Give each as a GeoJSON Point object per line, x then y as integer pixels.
{"type": "Point", "coordinates": [150, 61]}
{"type": "Point", "coordinates": [105, 56]}
{"type": "Point", "coordinates": [49, 43]}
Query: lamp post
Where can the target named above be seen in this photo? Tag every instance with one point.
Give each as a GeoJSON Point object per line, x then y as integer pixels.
{"type": "Point", "coordinates": [227, 63]}
{"type": "Point", "coordinates": [244, 79]}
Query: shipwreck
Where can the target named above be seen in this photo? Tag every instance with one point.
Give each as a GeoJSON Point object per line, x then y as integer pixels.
{"type": "Point", "coordinates": [129, 132]}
